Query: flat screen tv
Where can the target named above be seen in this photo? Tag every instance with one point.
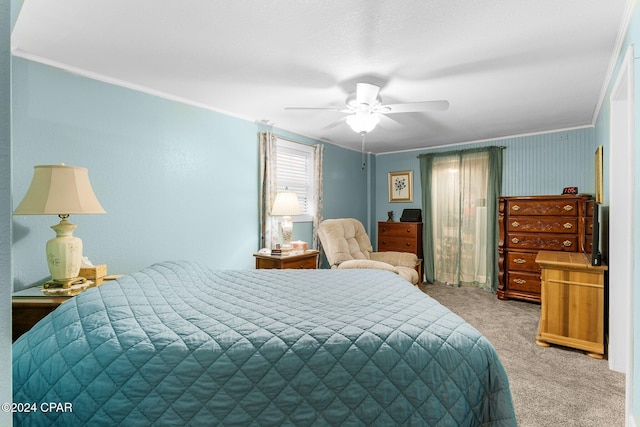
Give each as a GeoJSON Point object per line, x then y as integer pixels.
{"type": "Point", "coordinates": [592, 233]}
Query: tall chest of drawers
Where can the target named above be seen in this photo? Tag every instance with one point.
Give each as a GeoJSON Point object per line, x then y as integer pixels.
{"type": "Point", "coordinates": [531, 224]}
{"type": "Point", "coordinates": [401, 237]}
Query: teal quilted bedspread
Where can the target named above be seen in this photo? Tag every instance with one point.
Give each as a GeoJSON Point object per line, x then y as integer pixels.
{"type": "Point", "coordinates": [180, 344]}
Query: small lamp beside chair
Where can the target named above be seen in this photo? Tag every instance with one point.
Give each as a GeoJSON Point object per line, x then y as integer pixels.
{"type": "Point", "coordinates": [286, 205]}
{"type": "Point", "coordinates": [61, 190]}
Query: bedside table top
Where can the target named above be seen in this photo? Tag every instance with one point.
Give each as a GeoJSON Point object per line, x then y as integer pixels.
{"type": "Point", "coordinates": [35, 294]}
{"type": "Point", "coordinates": [310, 252]}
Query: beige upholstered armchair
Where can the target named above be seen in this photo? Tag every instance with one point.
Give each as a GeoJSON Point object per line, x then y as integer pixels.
{"type": "Point", "coordinates": [347, 245]}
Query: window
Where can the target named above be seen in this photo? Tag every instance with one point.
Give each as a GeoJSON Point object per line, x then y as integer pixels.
{"type": "Point", "coordinates": [294, 170]}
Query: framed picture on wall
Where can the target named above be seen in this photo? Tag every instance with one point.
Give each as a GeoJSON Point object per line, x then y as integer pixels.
{"type": "Point", "coordinates": [598, 169]}
{"type": "Point", "coordinates": [401, 186]}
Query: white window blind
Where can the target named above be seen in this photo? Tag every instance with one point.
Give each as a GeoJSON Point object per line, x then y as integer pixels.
{"type": "Point", "coordinates": [295, 172]}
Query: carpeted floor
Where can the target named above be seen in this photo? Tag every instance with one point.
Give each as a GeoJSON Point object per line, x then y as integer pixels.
{"type": "Point", "coordinates": [550, 386]}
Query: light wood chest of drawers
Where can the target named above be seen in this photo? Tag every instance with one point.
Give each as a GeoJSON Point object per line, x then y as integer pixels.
{"type": "Point", "coordinates": [531, 224]}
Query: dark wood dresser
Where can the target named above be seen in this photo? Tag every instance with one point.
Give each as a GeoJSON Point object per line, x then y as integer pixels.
{"type": "Point", "coordinates": [401, 237]}
{"type": "Point", "coordinates": [531, 224]}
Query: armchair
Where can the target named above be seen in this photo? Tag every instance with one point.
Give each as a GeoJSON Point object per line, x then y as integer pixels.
{"type": "Point", "coordinates": [347, 245]}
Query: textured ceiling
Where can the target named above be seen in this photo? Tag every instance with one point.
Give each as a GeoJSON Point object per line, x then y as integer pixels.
{"type": "Point", "coordinates": [507, 67]}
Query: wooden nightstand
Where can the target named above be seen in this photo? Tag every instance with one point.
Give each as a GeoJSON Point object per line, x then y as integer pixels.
{"type": "Point", "coordinates": [573, 302]}
{"type": "Point", "coordinates": [27, 308]}
{"type": "Point", "coordinates": [30, 305]}
{"type": "Point", "coordinates": [307, 260]}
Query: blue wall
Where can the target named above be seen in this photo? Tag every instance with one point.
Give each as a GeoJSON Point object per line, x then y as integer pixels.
{"type": "Point", "coordinates": [532, 165]}
{"type": "Point", "coordinates": [603, 136]}
{"type": "Point", "coordinates": [177, 181]}
{"type": "Point", "coordinates": [5, 211]}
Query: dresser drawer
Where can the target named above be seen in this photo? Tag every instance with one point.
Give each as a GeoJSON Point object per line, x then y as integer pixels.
{"type": "Point", "coordinates": [398, 244]}
{"type": "Point", "coordinates": [559, 207]}
{"type": "Point", "coordinates": [307, 260]}
{"type": "Point", "coordinates": [542, 241]}
{"type": "Point", "coordinates": [308, 263]}
{"type": "Point", "coordinates": [398, 229]}
{"type": "Point", "coordinates": [543, 224]}
{"type": "Point", "coordinates": [295, 264]}
{"type": "Point", "coordinates": [525, 282]}
{"type": "Point", "coordinates": [522, 261]}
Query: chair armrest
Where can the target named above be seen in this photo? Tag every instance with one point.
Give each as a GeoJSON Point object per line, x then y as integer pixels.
{"type": "Point", "coordinates": [404, 259]}
{"type": "Point", "coordinates": [369, 264]}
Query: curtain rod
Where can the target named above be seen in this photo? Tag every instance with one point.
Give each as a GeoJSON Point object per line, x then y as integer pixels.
{"type": "Point", "coordinates": [501, 147]}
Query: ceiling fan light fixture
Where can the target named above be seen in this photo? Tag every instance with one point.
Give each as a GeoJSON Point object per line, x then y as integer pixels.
{"type": "Point", "coordinates": [363, 122]}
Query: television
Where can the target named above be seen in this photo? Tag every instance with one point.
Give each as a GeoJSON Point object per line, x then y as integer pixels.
{"type": "Point", "coordinates": [591, 246]}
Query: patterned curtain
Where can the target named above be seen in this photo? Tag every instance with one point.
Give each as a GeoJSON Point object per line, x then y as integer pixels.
{"type": "Point", "coordinates": [317, 169]}
{"type": "Point", "coordinates": [268, 190]}
{"type": "Point", "coordinates": [269, 187]}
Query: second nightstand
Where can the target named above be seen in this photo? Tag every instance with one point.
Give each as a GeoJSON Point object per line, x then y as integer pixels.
{"type": "Point", "coordinates": [306, 260]}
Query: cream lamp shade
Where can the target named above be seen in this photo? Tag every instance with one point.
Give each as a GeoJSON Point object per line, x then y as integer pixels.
{"type": "Point", "coordinates": [61, 190]}
{"type": "Point", "coordinates": [286, 205]}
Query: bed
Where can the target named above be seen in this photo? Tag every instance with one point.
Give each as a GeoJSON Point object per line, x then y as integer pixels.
{"type": "Point", "coordinates": [180, 344]}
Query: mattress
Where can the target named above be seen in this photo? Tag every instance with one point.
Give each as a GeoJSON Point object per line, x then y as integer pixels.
{"type": "Point", "coordinates": [181, 344]}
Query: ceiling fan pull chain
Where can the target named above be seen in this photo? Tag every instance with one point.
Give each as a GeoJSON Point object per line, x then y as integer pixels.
{"type": "Point", "coordinates": [363, 157]}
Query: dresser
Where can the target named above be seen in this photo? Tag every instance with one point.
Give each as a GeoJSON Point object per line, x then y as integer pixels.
{"type": "Point", "coordinates": [573, 300]}
{"type": "Point", "coordinates": [531, 224]}
{"type": "Point", "coordinates": [401, 237]}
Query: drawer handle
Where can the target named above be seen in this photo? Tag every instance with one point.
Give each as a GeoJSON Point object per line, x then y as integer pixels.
{"type": "Point", "coordinates": [384, 229]}
{"type": "Point", "coordinates": [408, 230]}
{"type": "Point", "coordinates": [520, 261]}
{"type": "Point", "coordinates": [568, 225]}
{"type": "Point", "coordinates": [519, 281]}
{"type": "Point", "coordinates": [408, 244]}
{"type": "Point", "coordinates": [515, 207]}
{"type": "Point", "coordinates": [567, 243]}
{"type": "Point", "coordinates": [516, 224]}
{"type": "Point", "coordinates": [384, 242]}
{"type": "Point", "coordinates": [568, 208]}
{"type": "Point", "coordinates": [515, 240]}
{"type": "Point", "coordinates": [301, 267]}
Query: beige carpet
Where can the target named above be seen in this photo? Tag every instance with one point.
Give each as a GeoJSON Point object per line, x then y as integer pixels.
{"type": "Point", "coordinates": [550, 386]}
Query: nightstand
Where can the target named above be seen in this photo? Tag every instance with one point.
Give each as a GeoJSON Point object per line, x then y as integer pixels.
{"type": "Point", "coordinates": [30, 305]}
{"type": "Point", "coordinates": [306, 260]}
{"type": "Point", "coordinates": [572, 312]}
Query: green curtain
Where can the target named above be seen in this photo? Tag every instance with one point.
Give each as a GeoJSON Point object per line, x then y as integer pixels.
{"type": "Point", "coordinates": [426, 164]}
{"type": "Point", "coordinates": [493, 192]}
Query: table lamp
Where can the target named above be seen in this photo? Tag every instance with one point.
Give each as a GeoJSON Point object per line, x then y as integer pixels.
{"type": "Point", "coordinates": [286, 205]}
{"type": "Point", "coordinates": [61, 190]}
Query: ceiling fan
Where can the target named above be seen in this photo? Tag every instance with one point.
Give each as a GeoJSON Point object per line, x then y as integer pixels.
{"type": "Point", "coordinates": [365, 108]}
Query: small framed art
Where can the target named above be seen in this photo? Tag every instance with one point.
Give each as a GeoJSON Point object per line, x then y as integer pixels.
{"type": "Point", "coordinates": [598, 174]}
{"type": "Point", "coordinates": [401, 186]}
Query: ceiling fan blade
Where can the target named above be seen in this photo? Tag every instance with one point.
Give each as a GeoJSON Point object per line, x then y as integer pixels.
{"type": "Point", "coordinates": [366, 93]}
{"type": "Point", "coordinates": [415, 107]}
{"type": "Point", "coordinates": [335, 124]}
{"type": "Point", "coordinates": [389, 123]}
{"type": "Point", "coordinates": [341, 109]}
